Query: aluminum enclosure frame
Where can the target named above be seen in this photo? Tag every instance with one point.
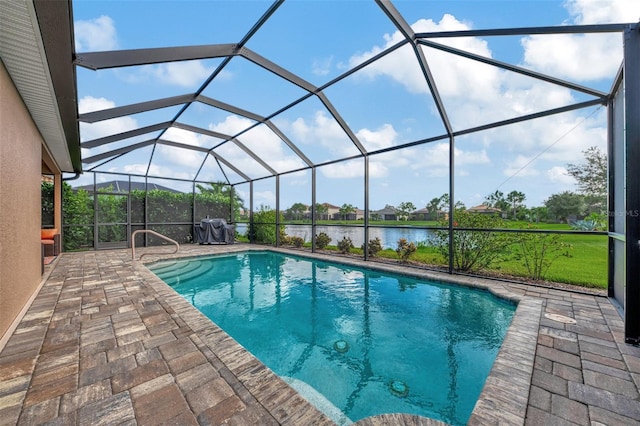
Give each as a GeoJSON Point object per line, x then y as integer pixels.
{"type": "Point", "coordinates": [630, 73]}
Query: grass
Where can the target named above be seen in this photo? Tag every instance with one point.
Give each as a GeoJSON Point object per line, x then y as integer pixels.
{"type": "Point", "coordinates": [586, 264]}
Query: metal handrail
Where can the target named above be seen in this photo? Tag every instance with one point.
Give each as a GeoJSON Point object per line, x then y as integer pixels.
{"type": "Point", "coordinates": [133, 242]}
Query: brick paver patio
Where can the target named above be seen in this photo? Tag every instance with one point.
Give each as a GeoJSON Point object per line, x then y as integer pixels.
{"type": "Point", "coordinates": [106, 342]}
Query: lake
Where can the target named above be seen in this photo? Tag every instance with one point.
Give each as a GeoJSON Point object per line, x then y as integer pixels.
{"type": "Point", "coordinates": [388, 236]}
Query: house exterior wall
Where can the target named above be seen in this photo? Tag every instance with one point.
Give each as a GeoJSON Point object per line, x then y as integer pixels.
{"type": "Point", "coordinates": [20, 173]}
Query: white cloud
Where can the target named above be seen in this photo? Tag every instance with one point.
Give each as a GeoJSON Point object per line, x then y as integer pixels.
{"type": "Point", "coordinates": [188, 137]}
{"type": "Point", "coordinates": [90, 131]}
{"type": "Point", "coordinates": [583, 57]}
{"type": "Point", "coordinates": [433, 160]}
{"type": "Point", "coordinates": [323, 133]}
{"type": "Point", "coordinates": [373, 140]}
{"type": "Point", "coordinates": [187, 74]}
{"type": "Point", "coordinates": [521, 166]}
{"type": "Point", "coordinates": [322, 66]}
{"type": "Point", "coordinates": [455, 76]}
{"type": "Point", "coordinates": [231, 125]}
{"type": "Point", "coordinates": [343, 170]}
{"type": "Point", "coordinates": [260, 140]}
{"type": "Point", "coordinates": [95, 35]}
{"type": "Point", "coordinates": [266, 198]}
{"type": "Point", "coordinates": [154, 170]}
{"type": "Point", "coordinates": [604, 12]}
{"type": "Point", "coordinates": [559, 174]}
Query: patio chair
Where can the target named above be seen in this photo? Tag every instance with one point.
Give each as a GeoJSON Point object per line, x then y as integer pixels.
{"type": "Point", "coordinates": [50, 239]}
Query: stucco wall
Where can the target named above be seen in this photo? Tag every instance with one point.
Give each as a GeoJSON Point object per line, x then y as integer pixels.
{"type": "Point", "coordinates": [20, 171]}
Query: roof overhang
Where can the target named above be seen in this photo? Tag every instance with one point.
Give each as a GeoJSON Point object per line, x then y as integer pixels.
{"type": "Point", "coordinates": [37, 48]}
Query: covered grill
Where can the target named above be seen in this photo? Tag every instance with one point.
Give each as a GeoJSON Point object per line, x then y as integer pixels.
{"type": "Point", "coordinates": [212, 231]}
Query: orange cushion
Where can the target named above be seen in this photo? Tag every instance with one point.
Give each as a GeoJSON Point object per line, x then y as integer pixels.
{"type": "Point", "coordinates": [47, 234]}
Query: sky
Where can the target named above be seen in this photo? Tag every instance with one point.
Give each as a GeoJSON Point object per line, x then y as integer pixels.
{"type": "Point", "coordinates": [385, 104]}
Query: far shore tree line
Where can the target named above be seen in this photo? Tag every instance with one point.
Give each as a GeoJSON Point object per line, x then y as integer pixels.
{"type": "Point", "coordinates": [586, 207]}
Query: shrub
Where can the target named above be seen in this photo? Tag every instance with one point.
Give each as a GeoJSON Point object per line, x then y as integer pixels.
{"type": "Point", "coordinates": [474, 250]}
{"type": "Point", "coordinates": [405, 249]}
{"type": "Point", "coordinates": [373, 247]}
{"type": "Point", "coordinates": [538, 251]}
{"type": "Point", "coordinates": [322, 240]}
{"type": "Point", "coordinates": [296, 241]}
{"type": "Point", "coordinates": [593, 222]}
{"type": "Point", "coordinates": [263, 228]}
{"type": "Point", "coordinates": [345, 245]}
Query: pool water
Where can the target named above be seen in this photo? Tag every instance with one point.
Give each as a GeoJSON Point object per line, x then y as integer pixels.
{"type": "Point", "coordinates": [354, 342]}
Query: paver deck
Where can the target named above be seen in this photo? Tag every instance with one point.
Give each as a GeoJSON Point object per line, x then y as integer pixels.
{"type": "Point", "coordinates": [106, 342]}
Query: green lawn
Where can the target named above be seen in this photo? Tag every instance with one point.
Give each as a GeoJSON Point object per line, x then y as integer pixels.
{"type": "Point", "coordinates": [586, 264]}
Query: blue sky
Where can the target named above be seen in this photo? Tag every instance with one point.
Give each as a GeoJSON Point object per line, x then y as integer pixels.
{"type": "Point", "coordinates": [385, 104]}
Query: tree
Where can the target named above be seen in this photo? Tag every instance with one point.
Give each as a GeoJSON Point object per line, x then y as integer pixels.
{"type": "Point", "coordinates": [539, 214]}
{"type": "Point", "coordinates": [497, 200]}
{"type": "Point", "coordinates": [436, 205]}
{"type": "Point", "coordinates": [565, 204]}
{"type": "Point", "coordinates": [321, 210]}
{"type": "Point", "coordinates": [404, 209]}
{"type": "Point", "coordinates": [297, 210]}
{"type": "Point", "coordinates": [220, 193]}
{"type": "Point", "coordinates": [592, 177]}
{"type": "Point", "coordinates": [345, 210]}
{"type": "Point", "coordinates": [515, 198]}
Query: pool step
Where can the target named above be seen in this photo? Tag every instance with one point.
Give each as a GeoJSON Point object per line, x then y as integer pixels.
{"type": "Point", "coordinates": [318, 400]}
{"type": "Point", "coordinates": [179, 269]}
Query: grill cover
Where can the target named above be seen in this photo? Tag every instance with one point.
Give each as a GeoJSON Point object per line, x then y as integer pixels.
{"type": "Point", "coordinates": [213, 231]}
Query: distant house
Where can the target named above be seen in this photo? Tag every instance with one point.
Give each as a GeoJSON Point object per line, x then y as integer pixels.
{"type": "Point", "coordinates": [422, 214]}
{"type": "Point", "coordinates": [358, 215]}
{"type": "Point", "coordinates": [484, 209]}
{"type": "Point", "coordinates": [354, 215]}
{"type": "Point", "coordinates": [125, 186]}
{"type": "Point", "coordinates": [387, 213]}
{"type": "Point", "coordinates": [333, 212]}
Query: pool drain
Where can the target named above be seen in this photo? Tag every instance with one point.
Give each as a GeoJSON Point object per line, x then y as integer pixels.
{"type": "Point", "coordinates": [560, 318]}
{"type": "Point", "coordinates": [341, 346]}
{"type": "Point", "coordinates": [399, 388]}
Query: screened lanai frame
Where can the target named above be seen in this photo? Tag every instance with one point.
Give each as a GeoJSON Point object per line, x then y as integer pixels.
{"type": "Point", "coordinates": [623, 182]}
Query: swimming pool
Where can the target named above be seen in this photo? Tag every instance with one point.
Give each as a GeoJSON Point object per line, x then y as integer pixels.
{"type": "Point", "coordinates": [353, 341]}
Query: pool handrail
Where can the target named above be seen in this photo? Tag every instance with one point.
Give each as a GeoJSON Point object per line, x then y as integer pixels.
{"type": "Point", "coordinates": [149, 231]}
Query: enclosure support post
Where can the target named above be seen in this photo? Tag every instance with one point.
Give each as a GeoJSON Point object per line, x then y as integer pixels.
{"type": "Point", "coordinates": [611, 199]}
{"type": "Point", "coordinates": [251, 226]}
{"type": "Point", "coordinates": [193, 211]}
{"type": "Point", "coordinates": [632, 196]}
{"type": "Point", "coordinates": [277, 210]}
{"type": "Point", "coordinates": [365, 245]}
{"type": "Point", "coordinates": [452, 149]}
{"type": "Point", "coordinates": [95, 214]}
{"type": "Point", "coordinates": [313, 209]}
{"type": "Point", "coordinates": [146, 210]}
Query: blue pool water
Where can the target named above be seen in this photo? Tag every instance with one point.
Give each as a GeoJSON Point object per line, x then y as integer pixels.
{"type": "Point", "coordinates": [354, 342]}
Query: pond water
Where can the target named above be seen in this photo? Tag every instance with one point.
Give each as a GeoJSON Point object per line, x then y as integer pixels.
{"type": "Point", "coordinates": [388, 236]}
